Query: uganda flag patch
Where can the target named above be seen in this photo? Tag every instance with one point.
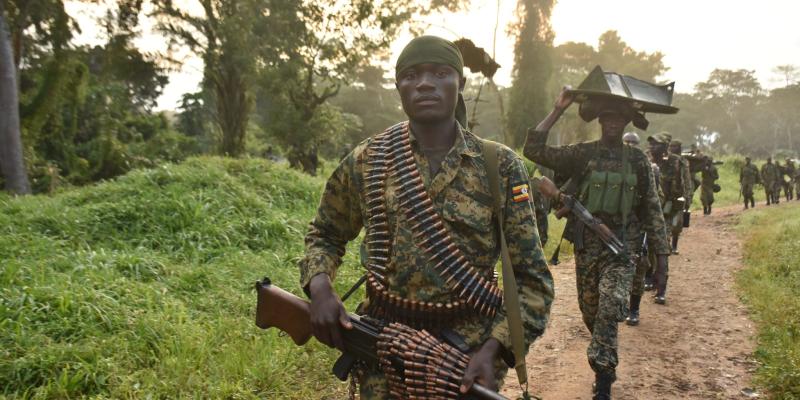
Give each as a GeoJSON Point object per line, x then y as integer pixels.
{"type": "Point", "coordinates": [520, 193]}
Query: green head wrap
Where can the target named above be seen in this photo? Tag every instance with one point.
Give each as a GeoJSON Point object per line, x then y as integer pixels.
{"type": "Point", "coordinates": [434, 50]}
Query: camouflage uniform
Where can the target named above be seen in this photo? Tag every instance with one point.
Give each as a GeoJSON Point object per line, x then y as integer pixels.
{"type": "Point", "coordinates": [796, 178]}
{"type": "Point", "coordinates": [673, 187]}
{"type": "Point", "coordinates": [770, 178]}
{"type": "Point", "coordinates": [709, 178]}
{"type": "Point", "coordinates": [461, 196]}
{"type": "Point", "coordinates": [604, 279]}
{"type": "Point", "coordinates": [788, 186]}
{"type": "Point", "coordinates": [688, 193]}
{"type": "Point", "coordinates": [748, 177]}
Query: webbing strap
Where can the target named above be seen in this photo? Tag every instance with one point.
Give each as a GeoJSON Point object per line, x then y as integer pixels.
{"type": "Point", "coordinates": [510, 293]}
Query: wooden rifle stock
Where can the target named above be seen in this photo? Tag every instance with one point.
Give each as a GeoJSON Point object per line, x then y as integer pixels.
{"type": "Point", "coordinates": [277, 308]}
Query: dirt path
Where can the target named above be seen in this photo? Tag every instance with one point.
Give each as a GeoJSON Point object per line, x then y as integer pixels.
{"type": "Point", "coordinates": [697, 346]}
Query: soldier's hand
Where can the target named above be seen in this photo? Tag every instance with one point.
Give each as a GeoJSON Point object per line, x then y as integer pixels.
{"type": "Point", "coordinates": [564, 98]}
{"type": "Point", "coordinates": [481, 367]}
{"type": "Point", "coordinates": [328, 314]}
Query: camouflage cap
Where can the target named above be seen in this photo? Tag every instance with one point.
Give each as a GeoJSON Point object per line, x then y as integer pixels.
{"type": "Point", "coordinates": [676, 142]}
{"type": "Point", "coordinates": [661, 137]}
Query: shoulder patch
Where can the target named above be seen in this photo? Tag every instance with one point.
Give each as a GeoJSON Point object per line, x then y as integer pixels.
{"type": "Point", "coordinates": [520, 192]}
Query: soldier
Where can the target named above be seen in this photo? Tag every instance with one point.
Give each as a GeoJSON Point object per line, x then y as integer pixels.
{"type": "Point", "coordinates": [708, 186]}
{"type": "Point", "coordinates": [788, 185]}
{"type": "Point", "coordinates": [748, 177]}
{"type": "Point", "coordinates": [631, 139]}
{"type": "Point", "coordinates": [769, 177]}
{"type": "Point", "coordinates": [676, 148]}
{"type": "Point", "coordinates": [616, 183]}
{"type": "Point", "coordinates": [420, 191]}
{"type": "Point", "coordinates": [671, 185]}
{"type": "Point", "coordinates": [796, 179]}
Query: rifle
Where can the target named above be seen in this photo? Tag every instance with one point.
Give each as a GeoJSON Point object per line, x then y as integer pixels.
{"type": "Point", "coordinates": [414, 359]}
{"type": "Point", "coordinates": [573, 206]}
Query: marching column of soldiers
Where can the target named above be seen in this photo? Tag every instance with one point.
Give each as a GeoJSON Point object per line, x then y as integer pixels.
{"type": "Point", "coordinates": [774, 177]}
{"type": "Point", "coordinates": [437, 220]}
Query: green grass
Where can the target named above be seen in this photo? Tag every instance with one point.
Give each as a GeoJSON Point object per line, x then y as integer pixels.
{"type": "Point", "coordinates": [142, 287]}
{"type": "Point", "coordinates": [770, 286]}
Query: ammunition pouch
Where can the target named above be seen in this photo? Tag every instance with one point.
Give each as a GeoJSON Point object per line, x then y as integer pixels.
{"type": "Point", "coordinates": [605, 192]}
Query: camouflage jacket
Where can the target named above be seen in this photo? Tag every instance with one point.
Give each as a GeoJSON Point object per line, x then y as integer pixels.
{"type": "Point", "coordinates": [688, 184]}
{"type": "Point", "coordinates": [573, 160]}
{"type": "Point", "coordinates": [749, 175]}
{"type": "Point", "coordinates": [461, 196]}
{"type": "Point", "coordinates": [709, 175]}
{"type": "Point", "coordinates": [672, 178]}
{"type": "Point", "coordinates": [790, 171]}
{"type": "Point", "coordinates": [769, 173]}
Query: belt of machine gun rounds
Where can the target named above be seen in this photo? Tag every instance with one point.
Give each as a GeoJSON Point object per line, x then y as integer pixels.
{"type": "Point", "coordinates": [418, 366]}
{"type": "Point", "coordinates": [391, 153]}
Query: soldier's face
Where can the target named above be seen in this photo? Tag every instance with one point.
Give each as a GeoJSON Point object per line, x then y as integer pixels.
{"type": "Point", "coordinates": [612, 123]}
{"type": "Point", "coordinates": [429, 92]}
{"type": "Point", "coordinates": [675, 149]}
{"type": "Point", "coordinates": [657, 149]}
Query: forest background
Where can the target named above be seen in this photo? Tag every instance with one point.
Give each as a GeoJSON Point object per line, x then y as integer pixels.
{"type": "Point", "coordinates": [304, 82]}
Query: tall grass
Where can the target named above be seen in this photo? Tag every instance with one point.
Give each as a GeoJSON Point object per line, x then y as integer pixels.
{"type": "Point", "coordinates": [770, 286]}
{"type": "Point", "coordinates": [143, 287]}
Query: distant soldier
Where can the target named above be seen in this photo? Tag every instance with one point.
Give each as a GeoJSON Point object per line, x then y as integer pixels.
{"type": "Point", "coordinates": [631, 138]}
{"type": "Point", "coordinates": [671, 183]}
{"type": "Point", "coordinates": [708, 185]}
{"type": "Point", "coordinates": [769, 177]}
{"type": "Point", "coordinates": [676, 148]}
{"type": "Point", "coordinates": [788, 185]}
{"type": "Point", "coordinates": [748, 177]}
{"type": "Point", "coordinates": [796, 178]}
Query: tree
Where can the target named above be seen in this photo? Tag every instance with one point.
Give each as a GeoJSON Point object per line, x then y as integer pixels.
{"type": "Point", "coordinates": [337, 38]}
{"type": "Point", "coordinates": [788, 73]}
{"type": "Point", "coordinates": [12, 165]}
{"type": "Point", "coordinates": [731, 98]}
{"type": "Point", "coordinates": [232, 37]}
{"type": "Point", "coordinates": [529, 98]}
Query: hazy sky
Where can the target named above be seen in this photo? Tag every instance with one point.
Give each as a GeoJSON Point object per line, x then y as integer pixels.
{"type": "Point", "coordinates": [696, 36]}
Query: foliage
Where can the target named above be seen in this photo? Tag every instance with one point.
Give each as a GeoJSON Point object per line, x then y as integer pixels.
{"type": "Point", "coordinates": [85, 114]}
{"type": "Point", "coordinates": [769, 285]}
{"type": "Point", "coordinates": [529, 100]}
{"type": "Point", "coordinates": [142, 287]}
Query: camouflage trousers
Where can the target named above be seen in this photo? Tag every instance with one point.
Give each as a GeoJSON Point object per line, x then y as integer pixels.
{"type": "Point", "coordinates": [604, 284]}
{"type": "Point", "coordinates": [707, 195]}
{"type": "Point", "coordinates": [643, 267]}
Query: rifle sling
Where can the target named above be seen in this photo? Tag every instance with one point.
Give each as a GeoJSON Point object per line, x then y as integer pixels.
{"type": "Point", "coordinates": [510, 290]}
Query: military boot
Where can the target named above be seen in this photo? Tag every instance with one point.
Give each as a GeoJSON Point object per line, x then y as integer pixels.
{"type": "Point", "coordinates": [633, 314]}
{"type": "Point", "coordinates": [602, 387]}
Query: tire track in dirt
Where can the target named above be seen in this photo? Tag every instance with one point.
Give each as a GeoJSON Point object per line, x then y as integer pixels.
{"type": "Point", "coordinates": [697, 346]}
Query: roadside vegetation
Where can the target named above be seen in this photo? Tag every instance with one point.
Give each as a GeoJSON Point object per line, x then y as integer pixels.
{"type": "Point", "coordinates": [769, 286]}
{"type": "Point", "coordinates": [142, 287]}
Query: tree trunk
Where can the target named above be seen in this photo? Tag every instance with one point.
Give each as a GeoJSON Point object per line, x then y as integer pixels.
{"type": "Point", "coordinates": [233, 105]}
{"type": "Point", "coordinates": [12, 162]}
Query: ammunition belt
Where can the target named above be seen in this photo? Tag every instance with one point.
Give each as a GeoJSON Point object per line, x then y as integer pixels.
{"type": "Point", "coordinates": [390, 153]}
{"type": "Point", "coordinates": [417, 314]}
{"type": "Point", "coordinates": [419, 366]}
